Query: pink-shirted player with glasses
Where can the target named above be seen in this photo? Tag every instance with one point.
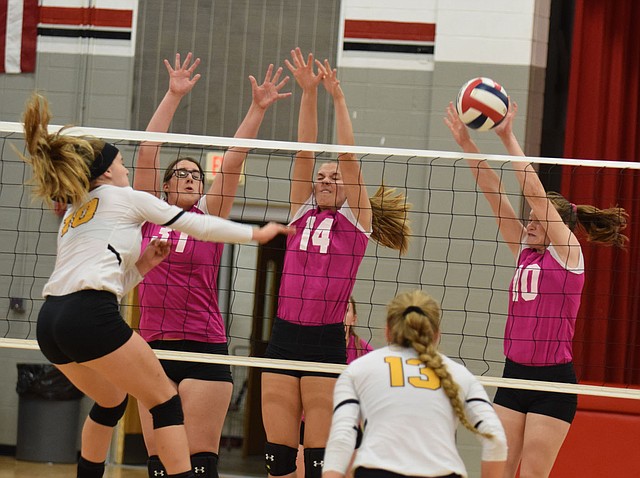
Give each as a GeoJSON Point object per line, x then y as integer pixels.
{"type": "Point", "coordinates": [179, 299]}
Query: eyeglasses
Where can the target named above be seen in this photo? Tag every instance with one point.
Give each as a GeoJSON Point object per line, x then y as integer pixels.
{"type": "Point", "coordinates": [183, 173]}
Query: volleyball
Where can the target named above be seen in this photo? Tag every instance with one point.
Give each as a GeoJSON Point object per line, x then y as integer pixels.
{"type": "Point", "coordinates": [482, 103]}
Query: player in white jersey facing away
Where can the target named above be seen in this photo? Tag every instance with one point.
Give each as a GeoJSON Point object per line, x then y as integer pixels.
{"type": "Point", "coordinates": [179, 299]}
{"type": "Point", "coordinates": [410, 398]}
{"type": "Point", "coordinates": [334, 218]}
{"type": "Point", "coordinates": [544, 299]}
{"type": "Point", "coordinates": [79, 328]}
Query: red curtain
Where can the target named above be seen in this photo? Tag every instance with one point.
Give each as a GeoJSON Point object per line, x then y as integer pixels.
{"type": "Point", "coordinates": [603, 122]}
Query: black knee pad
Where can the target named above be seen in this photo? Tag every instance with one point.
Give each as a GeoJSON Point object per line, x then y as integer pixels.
{"type": "Point", "coordinates": [205, 464]}
{"type": "Point", "coordinates": [155, 467]}
{"type": "Point", "coordinates": [108, 417]}
{"type": "Point", "coordinates": [313, 462]}
{"type": "Point", "coordinates": [90, 469]}
{"type": "Point", "coordinates": [279, 460]}
{"type": "Point", "coordinates": [168, 414]}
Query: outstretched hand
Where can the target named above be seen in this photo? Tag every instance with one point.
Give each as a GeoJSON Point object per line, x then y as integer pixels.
{"type": "Point", "coordinates": [505, 128]}
{"type": "Point", "coordinates": [302, 70]}
{"type": "Point", "coordinates": [181, 77]}
{"type": "Point", "coordinates": [329, 78]}
{"type": "Point", "coordinates": [458, 129]}
{"type": "Point", "coordinates": [268, 92]}
{"type": "Point", "coordinates": [266, 233]}
{"type": "Point", "coordinates": [155, 252]}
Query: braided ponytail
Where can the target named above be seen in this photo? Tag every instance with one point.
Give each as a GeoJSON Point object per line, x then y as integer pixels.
{"type": "Point", "coordinates": [413, 320]}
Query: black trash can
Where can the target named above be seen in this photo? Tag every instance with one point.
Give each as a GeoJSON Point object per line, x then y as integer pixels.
{"type": "Point", "coordinates": [48, 415]}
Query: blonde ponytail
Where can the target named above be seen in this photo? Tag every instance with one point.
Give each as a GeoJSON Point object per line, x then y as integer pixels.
{"type": "Point", "coordinates": [413, 320]}
{"type": "Point", "coordinates": [60, 163]}
{"type": "Point", "coordinates": [389, 219]}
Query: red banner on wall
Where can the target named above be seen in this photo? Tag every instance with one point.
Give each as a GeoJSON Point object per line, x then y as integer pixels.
{"type": "Point", "coordinates": [18, 35]}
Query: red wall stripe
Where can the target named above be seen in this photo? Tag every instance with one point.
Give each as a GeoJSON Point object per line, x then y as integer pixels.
{"type": "Point", "coordinates": [383, 30]}
{"type": "Point", "coordinates": [3, 31]}
{"type": "Point", "coordinates": [99, 17]}
{"type": "Point", "coordinates": [29, 36]}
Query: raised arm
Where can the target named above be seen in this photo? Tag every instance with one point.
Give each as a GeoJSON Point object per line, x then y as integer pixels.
{"type": "Point", "coordinates": [302, 177]}
{"type": "Point", "coordinates": [147, 175]}
{"type": "Point", "coordinates": [511, 228]}
{"type": "Point", "coordinates": [225, 184]}
{"type": "Point", "coordinates": [355, 188]}
{"type": "Point", "coordinates": [564, 241]}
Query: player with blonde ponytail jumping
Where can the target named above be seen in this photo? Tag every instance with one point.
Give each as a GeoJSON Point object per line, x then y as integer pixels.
{"type": "Point", "coordinates": [411, 398]}
{"type": "Point", "coordinates": [80, 329]}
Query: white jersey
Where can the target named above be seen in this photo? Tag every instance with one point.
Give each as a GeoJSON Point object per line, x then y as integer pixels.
{"type": "Point", "coordinates": [99, 242]}
{"type": "Point", "coordinates": [409, 424]}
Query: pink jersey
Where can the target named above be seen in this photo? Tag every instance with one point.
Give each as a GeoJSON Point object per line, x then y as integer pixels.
{"type": "Point", "coordinates": [543, 305]}
{"type": "Point", "coordinates": [320, 265]}
{"type": "Point", "coordinates": [352, 350]}
{"type": "Point", "coordinates": [179, 297]}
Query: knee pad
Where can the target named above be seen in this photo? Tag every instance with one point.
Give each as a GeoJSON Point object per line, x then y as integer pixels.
{"type": "Point", "coordinates": [205, 464]}
{"type": "Point", "coordinates": [108, 417]}
{"type": "Point", "coordinates": [90, 469]}
{"type": "Point", "coordinates": [186, 474]}
{"type": "Point", "coordinates": [155, 467]}
{"type": "Point", "coordinates": [168, 414]}
{"type": "Point", "coordinates": [313, 462]}
{"type": "Point", "coordinates": [279, 460]}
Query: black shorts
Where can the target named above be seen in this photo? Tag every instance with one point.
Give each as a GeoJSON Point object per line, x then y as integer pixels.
{"type": "Point", "coordinates": [362, 472]}
{"type": "Point", "coordinates": [317, 343]}
{"type": "Point", "coordinates": [558, 405]}
{"type": "Point", "coordinates": [81, 326]}
{"type": "Point", "coordinates": [178, 370]}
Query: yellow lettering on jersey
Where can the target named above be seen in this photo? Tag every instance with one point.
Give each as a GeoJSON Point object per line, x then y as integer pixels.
{"type": "Point", "coordinates": [396, 374]}
{"type": "Point", "coordinates": [81, 216]}
{"type": "Point", "coordinates": [67, 224]}
{"type": "Point", "coordinates": [432, 381]}
{"type": "Point", "coordinates": [428, 380]}
{"type": "Point", "coordinates": [85, 213]}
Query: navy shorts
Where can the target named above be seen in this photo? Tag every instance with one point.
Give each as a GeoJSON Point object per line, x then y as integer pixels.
{"type": "Point", "coordinates": [81, 326]}
{"type": "Point", "coordinates": [558, 405]}
{"type": "Point", "coordinates": [318, 343]}
{"type": "Point", "coordinates": [178, 370]}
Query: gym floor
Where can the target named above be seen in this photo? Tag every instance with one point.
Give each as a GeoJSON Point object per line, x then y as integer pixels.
{"type": "Point", "coordinates": [232, 465]}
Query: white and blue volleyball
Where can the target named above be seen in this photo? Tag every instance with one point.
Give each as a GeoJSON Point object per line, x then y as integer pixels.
{"type": "Point", "coordinates": [482, 104]}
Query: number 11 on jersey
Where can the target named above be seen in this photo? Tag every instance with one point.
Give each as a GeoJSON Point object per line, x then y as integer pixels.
{"type": "Point", "coordinates": [165, 233]}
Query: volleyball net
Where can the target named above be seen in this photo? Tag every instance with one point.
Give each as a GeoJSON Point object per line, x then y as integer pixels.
{"type": "Point", "coordinates": [455, 254]}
